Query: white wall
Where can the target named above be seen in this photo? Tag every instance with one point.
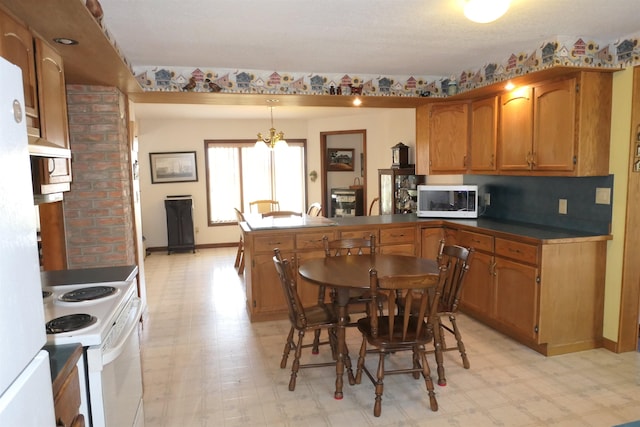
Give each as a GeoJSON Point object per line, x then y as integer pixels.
{"type": "Point", "coordinates": [385, 128]}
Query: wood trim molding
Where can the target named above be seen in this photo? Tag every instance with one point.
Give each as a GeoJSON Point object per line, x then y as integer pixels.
{"type": "Point", "coordinates": [630, 289]}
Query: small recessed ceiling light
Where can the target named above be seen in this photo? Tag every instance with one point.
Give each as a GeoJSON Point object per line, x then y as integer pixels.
{"type": "Point", "coordinates": [509, 86]}
{"type": "Point", "coordinates": [357, 102]}
{"type": "Point", "coordinates": [65, 41]}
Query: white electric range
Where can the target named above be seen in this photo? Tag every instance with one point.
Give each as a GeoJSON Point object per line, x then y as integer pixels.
{"type": "Point", "coordinates": [104, 318]}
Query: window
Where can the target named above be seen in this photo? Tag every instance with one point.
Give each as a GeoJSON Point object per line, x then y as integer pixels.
{"type": "Point", "coordinates": [238, 173]}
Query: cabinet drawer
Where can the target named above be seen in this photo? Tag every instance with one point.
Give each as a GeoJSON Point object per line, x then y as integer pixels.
{"type": "Point", "coordinates": [359, 234]}
{"type": "Point", "coordinates": [478, 241]}
{"type": "Point", "coordinates": [397, 235]}
{"type": "Point", "coordinates": [518, 251]}
{"type": "Point", "coordinates": [312, 240]}
{"type": "Point", "coordinates": [269, 243]}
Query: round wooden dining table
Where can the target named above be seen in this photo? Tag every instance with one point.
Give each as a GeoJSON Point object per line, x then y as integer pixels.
{"type": "Point", "coordinates": [345, 273]}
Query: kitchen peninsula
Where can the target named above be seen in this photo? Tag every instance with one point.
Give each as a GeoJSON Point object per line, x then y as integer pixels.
{"type": "Point", "coordinates": [542, 286]}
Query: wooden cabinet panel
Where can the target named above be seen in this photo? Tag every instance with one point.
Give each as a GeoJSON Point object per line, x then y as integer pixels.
{"type": "Point", "coordinates": [53, 161]}
{"type": "Point", "coordinates": [408, 249]}
{"type": "Point", "coordinates": [270, 242]}
{"type": "Point", "coordinates": [448, 136]}
{"type": "Point", "coordinates": [430, 240]}
{"type": "Point", "coordinates": [516, 297]}
{"type": "Point", "coordinates": [52, 95]}
{"type": "Point", "coordinates": [478, 292]}
{"type": "Point", "coordinates": [309, 292]}
{"type": "Point", "coordinates": [521, 252]}
{"type": "Point", "coordinates": [306, 241]}
{"type": "Point", "coordinates": [516, 130]}
{"type": "Point", "coordinates": [16, 46]}
{"type": "Point", "coordinates": [554, 136]}
{"type": "Point", "coordinates": [478, 241]}
{"type": "Point", "coordinates": [391, 236]}
{"type": "Point", "coordinates": [484, 135]}
{"type": "Point", "coordinates": [359, 234]}
{"type": "Point", "coordinates": [67, 401]}
{"type": "Point", "coordinates": [268, 297]}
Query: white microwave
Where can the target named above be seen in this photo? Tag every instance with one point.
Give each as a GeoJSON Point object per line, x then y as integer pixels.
{"type": "Point", "coordinates": [447, 201]}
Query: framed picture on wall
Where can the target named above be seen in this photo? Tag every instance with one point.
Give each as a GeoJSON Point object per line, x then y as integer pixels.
{"type": "Point", "coordinates": [179, 166]}
{"type": "Point", "coordinates": [340, 159]}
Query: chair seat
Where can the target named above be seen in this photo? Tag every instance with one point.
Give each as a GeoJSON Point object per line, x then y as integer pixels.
{"type": "Point", "coordinates": [389, 341]}
{"type": "Point", "coordinates": [319, 315]}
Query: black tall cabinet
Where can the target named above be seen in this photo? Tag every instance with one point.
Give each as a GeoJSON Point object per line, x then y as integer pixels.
{"type": "Point", "coordinates": [180, 232]}
{"type": "Point", "coordinates": [346, 202]}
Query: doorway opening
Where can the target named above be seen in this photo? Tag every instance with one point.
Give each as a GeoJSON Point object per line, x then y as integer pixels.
{"type": "Point", "coordinates": [344, 167]}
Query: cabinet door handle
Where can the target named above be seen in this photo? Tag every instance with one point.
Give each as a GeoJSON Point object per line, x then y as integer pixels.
{"type": "Point", "coordinates": [51, 166]}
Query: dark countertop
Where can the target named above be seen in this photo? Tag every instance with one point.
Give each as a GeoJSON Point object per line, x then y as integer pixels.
{"type": "Point", "coordinates": [62, 360]}
{"type": "Point", "coordinates": [532, 231]}
{"type": "Point", "coordinates": [119, 273]}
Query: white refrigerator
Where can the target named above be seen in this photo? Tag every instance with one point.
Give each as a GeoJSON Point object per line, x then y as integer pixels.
{"type": "Point", "coordinates": [26, 398]}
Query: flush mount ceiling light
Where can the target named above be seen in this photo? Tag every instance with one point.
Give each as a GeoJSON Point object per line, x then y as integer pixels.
{"type": "Point", "coordinates": [274, 140]}
{"type": "Point", "coordinates": [484, 11]}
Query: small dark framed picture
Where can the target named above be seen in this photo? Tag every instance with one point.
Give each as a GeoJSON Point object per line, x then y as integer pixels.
{"type": "Point", "coordinates": [179, 166]}
{"type": "Point", "coordinates": [340, 159]}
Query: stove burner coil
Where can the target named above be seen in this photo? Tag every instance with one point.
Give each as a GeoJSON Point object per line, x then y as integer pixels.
{"type": "Point", "coordinates": [70, 322]}
{"type": "Point", "coordinates": [88, 294]}
{"type": "Point", "coordinates": [46, 294]}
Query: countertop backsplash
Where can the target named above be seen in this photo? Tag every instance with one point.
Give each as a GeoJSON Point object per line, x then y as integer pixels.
{"type": "Point", "coordinates": [536, 200]}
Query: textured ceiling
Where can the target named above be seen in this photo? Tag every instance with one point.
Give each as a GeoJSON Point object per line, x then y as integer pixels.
{"type": "Point", "coordinates": [382, 37]}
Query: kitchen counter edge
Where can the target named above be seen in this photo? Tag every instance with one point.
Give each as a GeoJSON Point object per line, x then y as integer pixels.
{"type": "Point", "coordinates": [533, 232]}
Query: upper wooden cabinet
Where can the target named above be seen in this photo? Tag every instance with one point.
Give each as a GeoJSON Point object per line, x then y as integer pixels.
{"type": "Point", "coordinates": [45, 104]}
{"type": "Point", "coordinates": [554, 127]}
{"type": "Point", "coordinates": [16, 46]}
{"type": "Point", "coordinates": [516, 121]}
{"type": "Point", "coordinates": [448, 137]}
{"type": "Point", "coordinates": [557, 128]}
{"type": "Point", "coordinates": [484, 135]}
{"type": "Point", "coordinates": [51, 151]}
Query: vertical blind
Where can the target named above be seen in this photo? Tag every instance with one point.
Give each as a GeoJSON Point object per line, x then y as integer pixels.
{"type": "Point", "coordinates": [239, 173]}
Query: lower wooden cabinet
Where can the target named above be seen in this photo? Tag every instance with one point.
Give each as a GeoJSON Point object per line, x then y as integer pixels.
{"type": "Point", "coordinates": [547, 294]}
{"type": "Point", "coordinates": [398, 240]}
{"type": "Point", "coordinates": [64, 361]}
{"type": "Point", "coordinates": [430, 240]}
{"type": "Point", "coordinates": [527, 289]}
{"type": "Point", "coordinates": [517, 297]}
{"type": "Point", "coordinates": [478, 293]}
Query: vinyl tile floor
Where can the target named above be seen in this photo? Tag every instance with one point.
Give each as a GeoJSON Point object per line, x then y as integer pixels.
{"type": "Point", "coordinates": [205, 364]}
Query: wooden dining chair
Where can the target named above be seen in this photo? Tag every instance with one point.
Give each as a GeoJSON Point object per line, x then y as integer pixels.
{"type": "Point", "coordinates": [372, 205]}
{"type": "Point", "coordinates": [262, 206]}
{"type": "Point", "coordinates": [399, 330]}
{"type": "Point", "coordinates": [457, 260]}
{"type": "Point", "coordinates": [315, 209]}
{"type": "Point", "coordinates": [304, 319]}
{"type": "Point", "coordinates": [239, 262]}
{"type": "Point", "coordinates": [277, 214]}
{"type": "Point", "coordinates": [346, 247]}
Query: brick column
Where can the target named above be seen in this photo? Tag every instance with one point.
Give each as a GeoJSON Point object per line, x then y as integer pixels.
{"type": "Point", "coordinates": [98, 212]}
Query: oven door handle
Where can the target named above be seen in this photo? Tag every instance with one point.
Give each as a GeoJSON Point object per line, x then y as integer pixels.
{"type": "Point", "coordinates": [111, 352]}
